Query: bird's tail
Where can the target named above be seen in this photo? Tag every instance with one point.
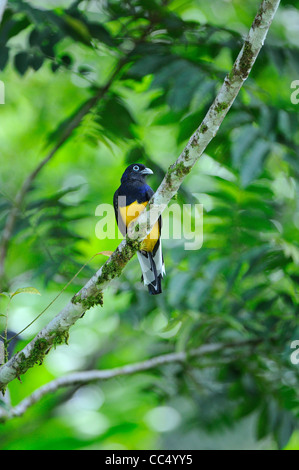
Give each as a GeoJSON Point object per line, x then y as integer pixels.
{"type": "Point", "coordinates": [153, 269]}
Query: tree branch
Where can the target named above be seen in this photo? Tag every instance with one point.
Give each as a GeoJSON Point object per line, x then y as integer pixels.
{"type": "Point", "coordinates": [92, 293]}
{"type": "Point", "coordinates": [81, 378]}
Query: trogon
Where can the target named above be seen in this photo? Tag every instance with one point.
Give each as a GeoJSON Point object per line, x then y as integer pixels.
{"type": "Point", "coordinates": [129, 200]}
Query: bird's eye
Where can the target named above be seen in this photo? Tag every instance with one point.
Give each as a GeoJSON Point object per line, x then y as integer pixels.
{"type": "Point", "coordinates": [135, 167]}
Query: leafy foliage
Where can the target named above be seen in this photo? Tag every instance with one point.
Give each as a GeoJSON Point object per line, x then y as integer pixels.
{"type": "Point", "coordinates": [157, 65]}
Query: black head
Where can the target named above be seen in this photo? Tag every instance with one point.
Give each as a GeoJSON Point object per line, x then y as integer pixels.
{"type": "Point", "coordinates": [136, 171]}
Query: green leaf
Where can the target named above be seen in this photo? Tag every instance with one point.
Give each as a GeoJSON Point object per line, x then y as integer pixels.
{"type": "Point", "coordinates": [147, 65]}
{"type": "Point", "coordinates": [21, 62]}
{"type": "Point", "coordinates": [254, 162]}
{"type": "Point", "coordinates": [77, 29]}
{"type": "Point", "coordinates": [284, 429]}
{"type": "Point", "coordinates": [4, 57]}
{"type": "Point", "coordinates": [243, 140]}
{"type": "Point", "coordinates": [5, 294]}
{"type": "Point", "coordinates": [263, 423]}
{"type": "Point", "coordinates": [120, 127]}
{"type": "Point", "coordinates": [25, 290]}
{"type": "Point", "coordinates": [36, 61]}
{"type": "Point", "coordinates": [99, 32]}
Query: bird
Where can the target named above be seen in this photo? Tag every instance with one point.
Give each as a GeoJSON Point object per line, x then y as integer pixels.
{"type": "Point", "coordinates": [129, 200]}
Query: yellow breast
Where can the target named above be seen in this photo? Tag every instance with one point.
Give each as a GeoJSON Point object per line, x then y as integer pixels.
{"type": "Point", "coordinates": [131, 212]}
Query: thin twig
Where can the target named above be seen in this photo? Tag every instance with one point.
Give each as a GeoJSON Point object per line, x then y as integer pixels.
{"type": "Point", "coordinates": [50, 304]}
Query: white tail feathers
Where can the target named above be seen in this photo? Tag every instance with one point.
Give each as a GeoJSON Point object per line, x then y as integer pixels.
{"type": "Point", "coordinates": [153, 269]}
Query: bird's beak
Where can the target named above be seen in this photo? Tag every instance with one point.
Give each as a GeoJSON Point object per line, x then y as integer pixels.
{"type": "Point", "coordinates": [147, 171]}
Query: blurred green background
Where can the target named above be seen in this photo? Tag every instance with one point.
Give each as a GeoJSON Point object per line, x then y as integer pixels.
{"type": "Point", "coordinates": [170, 57]}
